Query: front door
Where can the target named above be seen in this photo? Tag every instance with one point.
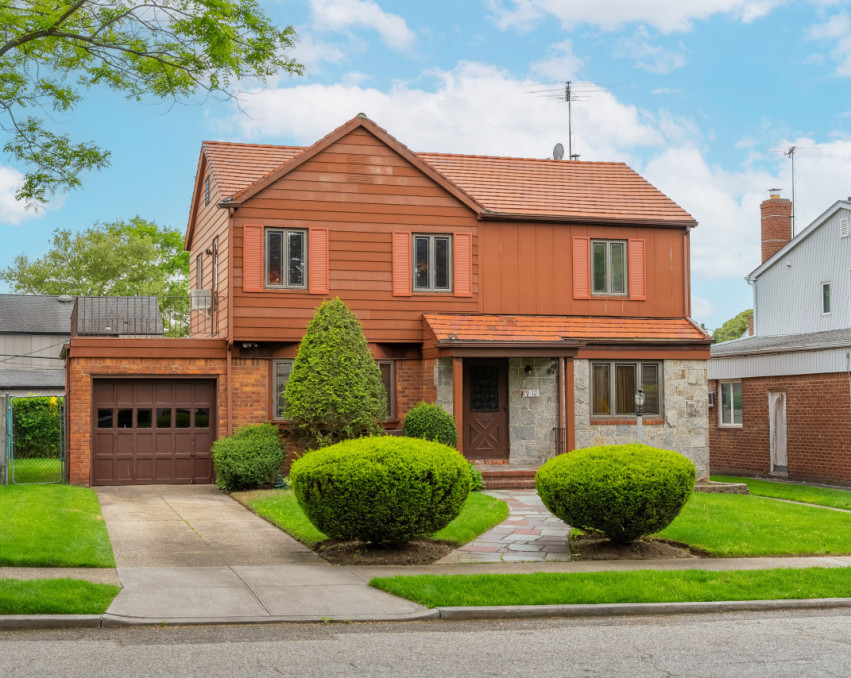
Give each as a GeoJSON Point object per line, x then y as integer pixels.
{"type": "Point", "coordinates": [486, 408]}
{"type": "Point", "coordinates": [777, 431]}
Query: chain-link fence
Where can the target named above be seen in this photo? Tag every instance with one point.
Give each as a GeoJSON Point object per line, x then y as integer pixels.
{"type": "Point", "coordinates": [35, 439]}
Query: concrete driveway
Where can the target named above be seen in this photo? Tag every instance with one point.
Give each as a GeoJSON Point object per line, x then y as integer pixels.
{"type": "Point", "coordinates": [192, 526]}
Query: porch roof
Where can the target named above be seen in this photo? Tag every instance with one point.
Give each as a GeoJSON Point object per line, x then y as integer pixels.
{"type": "Point", "coordinates": [451, 329]}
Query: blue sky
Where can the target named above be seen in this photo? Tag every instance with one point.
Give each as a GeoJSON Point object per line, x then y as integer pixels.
{"type": "Point", "coordinates": [700, 97]}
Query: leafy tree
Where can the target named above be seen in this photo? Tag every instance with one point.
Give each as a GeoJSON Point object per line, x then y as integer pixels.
{"type": "Point", "coordinates": [134, 257]}
{"type": "Point", "coordinates": [334, 392]}
{"type": "Point", "coordinates": [732, 329]}
{"type": "Point", "coordinates": [165, 50]}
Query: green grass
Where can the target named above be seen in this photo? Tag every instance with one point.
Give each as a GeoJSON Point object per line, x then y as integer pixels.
{"type": "Point", "coordinates": [481, 512]}
{"type": "Point", "coordinates": [732, 525]}
{"type": "Point", "coordinates": [823, 496]}
{"type": "Point", "coordinates": [641, 586]}
{"type": "Point", "coordinates": [37, 471]}
{"type": "Point", "coordinates": [55, 596]}
{"type": "Point", "coordinates": [52, 526]}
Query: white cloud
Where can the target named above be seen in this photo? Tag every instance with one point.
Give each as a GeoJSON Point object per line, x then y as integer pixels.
{"type": "Point", "coordinates": [648, 56]}
{"type": "Point", "coordinates": [560, 64]}
{"type": "Point", "coordinates": [312, 53]}
{"type": "Point", "coordinates": [837, 29]}
{"type": "Point", "coordinates": [341, 15]}
{"type": "Point", "coordinates": [666, 15]}
{"type": "Point", "coordinates": [13, 211]}
{"type": "Point", "coordinates": [701, 309]}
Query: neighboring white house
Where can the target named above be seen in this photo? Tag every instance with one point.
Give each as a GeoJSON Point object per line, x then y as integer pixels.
{"type": "Point", "coordinates": [783, 394]}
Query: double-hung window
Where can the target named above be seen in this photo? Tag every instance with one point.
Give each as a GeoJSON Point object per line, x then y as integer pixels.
{"type": "Point", "coordinates": [825, 298]}
{"type": "Point", "coordinates": [432, 263]}
{"type": "Point", "coordinates": [286, 257]}
{"type": "Point", "coordinates": [731, 403]}
{"type": "Point", "coordinates": [608, 266]}
{"type": "Point", "coordinates": [614, 385]}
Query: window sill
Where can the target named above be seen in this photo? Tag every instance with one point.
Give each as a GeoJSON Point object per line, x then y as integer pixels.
{"type": "Point", "coordinates": [732, 426]}
{"type": "Point", "coordinates": [627, 422]}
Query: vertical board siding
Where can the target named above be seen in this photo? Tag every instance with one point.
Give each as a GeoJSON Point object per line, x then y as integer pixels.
{"type": "Point", "coordinates": [368, 198]}
{"type": "Point", "coordinates": [637, 270]}
{"type": "Point", "coordinates": [544, 268]}
{"type": "Point", "coordinates": [463, 264]}
{"type": "Point", "coordinates": [402, 265]}
{"type": "Point", "coordinates": [581, 268]}
{"type": "Point", "coordinates": [253, 264]}
{"type": "Point", "coordinates": [317, 267]}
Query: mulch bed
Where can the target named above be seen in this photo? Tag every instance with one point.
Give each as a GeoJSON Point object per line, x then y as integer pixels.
{"type": "Point", "coordinates": [357, 553]}
{"type": "Point", "coordinates": [597, 547]}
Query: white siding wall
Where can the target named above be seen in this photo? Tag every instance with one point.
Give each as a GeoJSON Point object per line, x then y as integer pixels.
{"type": "Point", "coordinates": [789, 298]}
{"type": "Point", "coordinates": [781, 364]}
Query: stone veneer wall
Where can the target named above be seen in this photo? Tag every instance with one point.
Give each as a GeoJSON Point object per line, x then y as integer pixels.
{"type": "Point", "coordinates": [686, 414]}
{"type": "Point", "coordinates": [444, 385]}
{"type": "Point", "coordinates": [531, 421]}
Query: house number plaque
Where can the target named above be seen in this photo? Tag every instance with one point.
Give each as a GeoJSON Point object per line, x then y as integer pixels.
{"type": "Point", "coordinates": [530, 393]}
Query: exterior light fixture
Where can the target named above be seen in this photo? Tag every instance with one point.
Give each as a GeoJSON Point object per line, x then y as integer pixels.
{"type": "Point", "coordinates": [528, 370]}
{"type": "Point", "coordinates": [639, 403]}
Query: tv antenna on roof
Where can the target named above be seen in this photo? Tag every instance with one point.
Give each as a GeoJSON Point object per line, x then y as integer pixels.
{"type": "Point", "coordinates": [791, 155]}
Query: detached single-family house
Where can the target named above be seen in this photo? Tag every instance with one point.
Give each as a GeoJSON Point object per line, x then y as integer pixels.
{"type": "Point", "coordinates": [530, 298]}
{"type": "Point", "coordinates": [783, 394]}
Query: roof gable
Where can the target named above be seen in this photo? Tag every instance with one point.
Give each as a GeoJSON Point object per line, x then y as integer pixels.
{"type": "Point", "coordinates": [798, 239]}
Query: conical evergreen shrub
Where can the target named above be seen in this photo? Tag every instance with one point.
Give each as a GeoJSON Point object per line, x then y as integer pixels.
{"type": "Point", "coordinates": [334, 391]}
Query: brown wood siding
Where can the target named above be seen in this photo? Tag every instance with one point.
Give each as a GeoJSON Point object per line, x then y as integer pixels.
{"type": "Point", "coordinates": [211, 222]}
{"type": "Point", "coordinates": [361, 191]}
{"type": "Point", "coordinates": [527, 267]}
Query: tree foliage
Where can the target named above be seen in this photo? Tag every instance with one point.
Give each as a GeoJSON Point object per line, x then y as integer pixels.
{"type": "Point", "coordinates": [734, 328]}
{"type": "Point", "coordinates": [334, 392]}
{"type": "Point", "coordinates": [167, 50]}
{"type": "Point", "coordinates": [119, 258]}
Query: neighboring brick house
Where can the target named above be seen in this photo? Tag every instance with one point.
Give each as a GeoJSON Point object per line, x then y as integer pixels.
{"type": "Point", "coordinates": [783, 394]}
{"type": "Point", "coordinates": [530, 298]}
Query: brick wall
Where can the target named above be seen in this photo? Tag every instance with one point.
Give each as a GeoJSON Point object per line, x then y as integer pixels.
{"type": "Point", "coordinates": [818, 424]}
{"type": "Point", "coordinates": [414, 382]}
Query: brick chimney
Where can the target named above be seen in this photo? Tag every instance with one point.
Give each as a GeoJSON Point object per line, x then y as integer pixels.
{"type": "Point", "coordinates": [776, 223]}
{"type": "Point", "coordinates": [750, 324]}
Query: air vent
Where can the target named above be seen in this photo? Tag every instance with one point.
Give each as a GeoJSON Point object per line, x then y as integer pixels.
{"type": "Point", "coordinates": [360, 169]}
{"type": "Point", "coordinates": [843, 228]}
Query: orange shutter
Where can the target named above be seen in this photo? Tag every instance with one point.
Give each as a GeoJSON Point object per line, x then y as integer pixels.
{"type": "Point", "coordinates": [402, 255]}
{"type": "Point", "coordinates": [463, 256]}
{"type": "Point", "coordinates": [317, 264]}
{"type": "Point", "coordinates": [581, 269]}
{"type": "Point", "coordinates": [637, 275]}
{"type": "Point", "coordinates": [252, 258]}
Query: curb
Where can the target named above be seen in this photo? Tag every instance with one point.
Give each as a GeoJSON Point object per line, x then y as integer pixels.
{"type": "Point", "coordinates": [630, 609]}
{"type": "Point", "coordinates": [58, 621]}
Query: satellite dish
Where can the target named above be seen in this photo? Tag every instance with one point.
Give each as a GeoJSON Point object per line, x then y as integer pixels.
{"type": "Point", "coordinates": [558, 152]}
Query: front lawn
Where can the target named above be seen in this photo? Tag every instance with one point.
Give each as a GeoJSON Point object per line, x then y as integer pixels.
{"type": "Point", "coordinates": [52, 526]}
{"type": "Point", "coordinates": [823, 496]}
{"type": "Point", "coordinates": [733, 525]}
{"type": "Point", "coordinates": [481, 512]}
{"type": "Point", "coordinates": [55, 596]}
{"type": "Point", "coordinates": [641, 586]}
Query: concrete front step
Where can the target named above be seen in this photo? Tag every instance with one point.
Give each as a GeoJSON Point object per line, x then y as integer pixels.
{"type": "Point", "coordinates": [510, 484]}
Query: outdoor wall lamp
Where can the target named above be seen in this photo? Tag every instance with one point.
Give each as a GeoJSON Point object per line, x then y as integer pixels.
{"type": "Point", "coordinates": [639, 401]}
{"type": "Point", "coordinates": [528, 370]}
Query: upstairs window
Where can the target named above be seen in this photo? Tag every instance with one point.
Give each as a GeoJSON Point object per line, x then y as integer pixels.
{"type": "Point", "coordinates": [825, 298]}
{"type": "Point", "coordinates": [731, 403]}
{"type": "Point", "coordinates": [286, 258]}
{"type": "Point", "coordinates": [608, 266]}
{"type": "Point", "coordinates": [432, 263]}
{"type": "Point", "coordinates": [199, 272]}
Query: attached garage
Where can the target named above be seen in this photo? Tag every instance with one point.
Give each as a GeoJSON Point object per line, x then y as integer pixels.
{"type": "Point", "coordinates": [151, 431]}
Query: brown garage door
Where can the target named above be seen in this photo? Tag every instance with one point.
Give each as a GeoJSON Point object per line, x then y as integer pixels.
{"type": "Point", "coordinates": [147, 431]}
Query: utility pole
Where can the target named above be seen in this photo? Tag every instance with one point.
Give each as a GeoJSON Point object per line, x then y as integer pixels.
{"type": "Point", "coordinates": [791, 155]}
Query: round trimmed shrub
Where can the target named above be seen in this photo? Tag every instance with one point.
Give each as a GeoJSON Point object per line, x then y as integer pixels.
{"type": "Point", "coordinates": [381, 489]}
{"type": "Point", "coordinates": [623, 491]}
{"type": "Point", "coordinates": [248, 459]}
{"type": "Point", "coordinates": [431, 422]}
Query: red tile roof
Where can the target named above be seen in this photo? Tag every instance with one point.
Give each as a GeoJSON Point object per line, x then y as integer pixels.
{"type": "Point", "coordinates": [548, 329]}
{"type": "Point", "coordinates": [501, 186]}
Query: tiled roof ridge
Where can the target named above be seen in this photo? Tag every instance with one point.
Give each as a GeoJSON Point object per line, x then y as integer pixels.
{"type": "Point", "coordinates": [525, 159]}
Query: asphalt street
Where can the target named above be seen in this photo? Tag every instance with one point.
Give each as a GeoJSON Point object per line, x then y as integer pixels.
{"type": "Point", "coordinates": [811, 643]}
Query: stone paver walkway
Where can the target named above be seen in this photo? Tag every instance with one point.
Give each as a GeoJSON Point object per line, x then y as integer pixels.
{"type": "Point", "coordinates": [530, 534]}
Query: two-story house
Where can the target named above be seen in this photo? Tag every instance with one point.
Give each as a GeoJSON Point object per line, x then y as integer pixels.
{"type": "Point", "coordinates": [530, 298]}
{"type": "Point", "coordinates": [783, 394]}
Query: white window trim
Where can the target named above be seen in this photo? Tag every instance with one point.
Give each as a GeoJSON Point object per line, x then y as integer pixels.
{"type": "Point", "coordinates": [613, 387]}
{"type": "Point", "coordinates": [720, 406]}
{"type": "Point", "coordinates": [285, 259]}
{"type": "Point", "coordinates": [608, 292]}
{"type": "Point", "coordinates": [431, 267]}
{"type": "Point", "coordinates": [824, 284]}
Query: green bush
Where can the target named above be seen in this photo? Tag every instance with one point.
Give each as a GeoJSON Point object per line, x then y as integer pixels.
{"type": "Point", "coordinates": [248, 459]}
{"type": "Point", "coordinates": [431, 422]}
{"type": "Point", "coordinates": [36, 427]}
{"type": "Point", "coordinates": [381, 489]}
{"type": "Point", "coordinates": [335, 391]}
{"type": "Point", "coordinates": [623, 491]}
{"type": "Point", "coordinates": [477, 481]}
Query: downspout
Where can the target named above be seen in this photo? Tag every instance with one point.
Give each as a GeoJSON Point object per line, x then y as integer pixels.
{"type": "Point", "coordinates": [848, 370]}
{"type": "Point", "coordinates": [562, 402]}
{"type": "Point", "coordinates": [229, 384]}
